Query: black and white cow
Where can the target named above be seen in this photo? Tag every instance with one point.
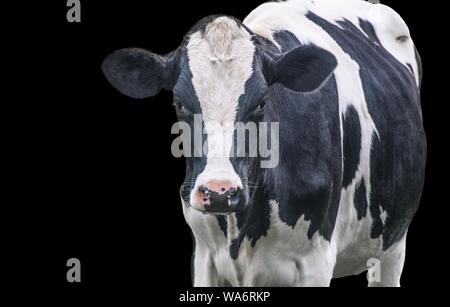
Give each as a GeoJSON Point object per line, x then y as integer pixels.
{"type": "Point", "coordinates": [342, 78]}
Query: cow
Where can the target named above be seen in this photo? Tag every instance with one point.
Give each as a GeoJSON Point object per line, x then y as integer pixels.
{"type": "Point", "coordinates": [342, 79]}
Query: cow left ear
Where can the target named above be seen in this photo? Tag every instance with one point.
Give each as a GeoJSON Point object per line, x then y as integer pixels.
{"type": "Point", "coordinates": [139, 73]}
{"type": "Point", "coordinates": [302, 69]}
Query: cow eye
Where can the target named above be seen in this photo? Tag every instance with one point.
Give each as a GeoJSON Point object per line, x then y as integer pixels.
{"type": "Point", "coordinates": [261, 106]}
{"type": "Point", "coordinates": [179, 107]}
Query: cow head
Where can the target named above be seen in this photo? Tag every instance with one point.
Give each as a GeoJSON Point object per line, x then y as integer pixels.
{"type": "Point", "coordinates": [222, 72]}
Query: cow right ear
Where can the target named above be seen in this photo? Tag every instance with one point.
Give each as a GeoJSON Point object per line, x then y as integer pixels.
{"type": "Point", "coordinates": [138, 73]}
{"type": "Point", "coordinates": [302, 69]}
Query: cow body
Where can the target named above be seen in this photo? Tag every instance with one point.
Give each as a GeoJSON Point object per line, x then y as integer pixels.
{"type": "Point", "coordinates": [342, 80]}
{"type": "Point", "coordinates": [350, 174]}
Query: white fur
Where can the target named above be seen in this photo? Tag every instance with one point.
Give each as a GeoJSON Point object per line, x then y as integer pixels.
{"type": "Point", "coordinates": [285, 257]}
{"type": "Point", "coordinates": [221, 63]}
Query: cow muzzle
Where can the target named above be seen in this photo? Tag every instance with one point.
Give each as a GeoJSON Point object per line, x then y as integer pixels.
{"type": "Point", "coordinates": [220, 196]}
{"type": "Point", "coordinates": [218, 189]}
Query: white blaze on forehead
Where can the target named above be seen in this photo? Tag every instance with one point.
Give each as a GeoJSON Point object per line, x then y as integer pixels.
{"type": "Point", "coordinates": [221, 62]}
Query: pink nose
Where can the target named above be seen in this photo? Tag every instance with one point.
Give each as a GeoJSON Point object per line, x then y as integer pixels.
{"type": "Point", "coordinates": [215, 190]}
{"type": "Point", "coordinates": [219, 186]}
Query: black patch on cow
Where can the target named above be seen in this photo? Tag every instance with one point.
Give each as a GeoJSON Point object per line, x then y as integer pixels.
{"type": "Point", "coordinates": [235, 245]}
{"type": "Point", "coordinates": [286, 40]}
{"type": "Point", "coordinates": [360, 199]}
{"type": "Point", "coordinates": [399, 150]}
{"type": "Point", "coordinates": [223, 223]}
{"type": "Point", "coordinates": [253, 222]}
{"type": "Point", "coordinates": [351, 144]}
{"type": "Point", "coordinates": [375, 200]}
{"type": "Point", "coordinates": [411, 69]}
{"type": "Point", "coordinates": [308, 180]}
{"type": "Point", "coordinates": [368, 28]}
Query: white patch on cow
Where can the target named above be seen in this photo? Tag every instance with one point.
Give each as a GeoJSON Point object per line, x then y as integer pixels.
{"type": "Point", "coordinates": [383, 215]}
{"type": "Point", "coordinates": [221, 62]}
{"type": "Point", "coordinates": [209, 239]}
{"type": "Point", "coordinates": [284, 257]}
{"type": "Point", "coordinates": [394, 36]}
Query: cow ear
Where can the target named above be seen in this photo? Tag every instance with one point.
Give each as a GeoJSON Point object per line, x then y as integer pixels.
{"type": "Point", "coordinates": [302, 69]}
{"type": "Point", "coordinates": [138, 73]}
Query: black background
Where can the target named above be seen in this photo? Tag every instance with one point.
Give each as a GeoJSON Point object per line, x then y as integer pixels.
{"type": "Point", "coordinates": [101, 183]}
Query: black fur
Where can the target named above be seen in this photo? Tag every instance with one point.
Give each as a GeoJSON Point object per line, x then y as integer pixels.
{"type": "Point", "coordinates": [138, 73]}
{"type": "Point", "coordinates": [351, 144]}
{"type": "Point", "coordinates": [360, 200]}
{"type": "Point", "coordinates": [301, 69]}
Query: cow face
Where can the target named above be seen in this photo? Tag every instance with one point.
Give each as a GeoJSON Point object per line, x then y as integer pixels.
{"type": "Point", "coordinates": [222, 73]}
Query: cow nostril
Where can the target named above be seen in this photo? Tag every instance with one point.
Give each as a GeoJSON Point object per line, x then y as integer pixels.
{"type": "Point", "coordinates": [232, 191]}
{"type": "Point", "coordinates": [222, 189]}
{"type": "Point", "coordinates": [233, 196]}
